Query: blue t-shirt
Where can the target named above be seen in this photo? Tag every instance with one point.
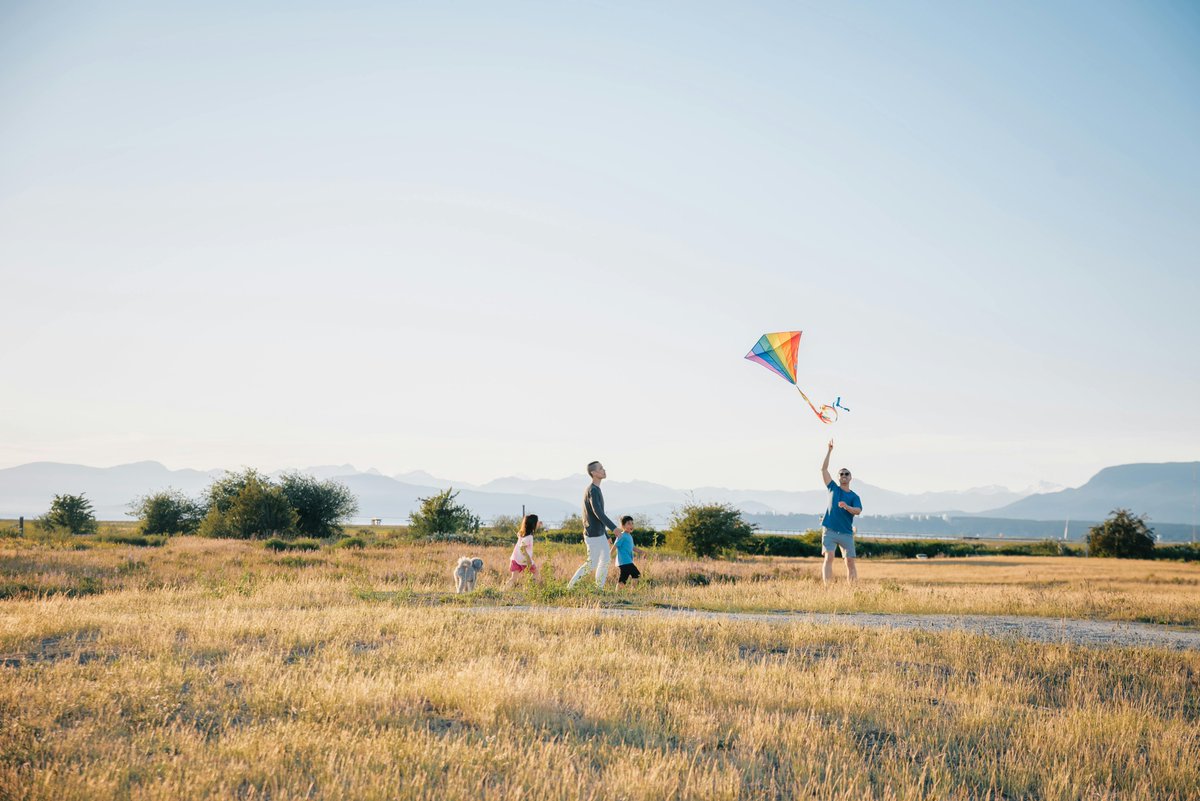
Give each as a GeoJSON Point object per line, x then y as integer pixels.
{"type": "Point", "coordinates": [836, 518]}
{"type": "Point", "coordinates": [624, 548]}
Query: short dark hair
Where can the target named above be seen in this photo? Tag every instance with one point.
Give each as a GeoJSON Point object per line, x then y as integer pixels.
{"type": "Point", "coordinates": [592, 466]}
{"type": "Point", "coordinates": [626, 519]}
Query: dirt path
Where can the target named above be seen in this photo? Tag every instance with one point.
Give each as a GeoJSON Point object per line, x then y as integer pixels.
{"type": "Point", "coordinates": [1039, 629]}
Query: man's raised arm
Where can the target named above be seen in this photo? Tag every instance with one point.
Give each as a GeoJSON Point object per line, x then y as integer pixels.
{"type": "Point", "coordinates": [825, 465]}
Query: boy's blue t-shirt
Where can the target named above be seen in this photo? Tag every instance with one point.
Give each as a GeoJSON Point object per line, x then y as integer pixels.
{"type": "Point", "coordinates": [624, 548]}
{"type": "Point", "coordinates": [836, 518]}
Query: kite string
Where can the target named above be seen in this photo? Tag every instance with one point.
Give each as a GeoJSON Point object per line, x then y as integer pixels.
{"type": "Point", "coordinates": [827, 413]}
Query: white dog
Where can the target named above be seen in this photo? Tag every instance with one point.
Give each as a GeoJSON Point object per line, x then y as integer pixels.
{"type": "Point", "coordinates": [465, 572]}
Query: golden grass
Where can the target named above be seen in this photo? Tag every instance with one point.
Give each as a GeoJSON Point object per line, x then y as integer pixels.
{"type": "Point", "coordinates": [1161, 592]}
{"type": "Point", "coordinates": [210, 669]}
{"type": "Point", "coordinates": [298, 684]}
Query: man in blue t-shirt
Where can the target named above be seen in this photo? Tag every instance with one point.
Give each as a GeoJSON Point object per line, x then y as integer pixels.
{"type": "Point", "coordinates": [838, 523]}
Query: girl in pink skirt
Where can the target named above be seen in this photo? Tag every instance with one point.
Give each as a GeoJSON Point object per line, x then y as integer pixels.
{"type": "Point", "coordinates": [522, 555]}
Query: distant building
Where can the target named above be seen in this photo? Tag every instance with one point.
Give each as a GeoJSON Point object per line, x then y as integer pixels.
{"type": "Point", "coordinates": [376, 521]}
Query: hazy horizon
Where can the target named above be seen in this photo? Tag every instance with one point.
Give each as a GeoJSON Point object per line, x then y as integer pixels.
{"type": "Point", "coordinates": [490, 240]}
{"type": "Point", "coordinates": [466, 483]}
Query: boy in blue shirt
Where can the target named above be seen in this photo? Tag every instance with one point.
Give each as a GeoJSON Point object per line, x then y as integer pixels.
{"type": "Point", "coordinates": [838, 523]}
{"type": "Point", "coordinates": [625, 550]}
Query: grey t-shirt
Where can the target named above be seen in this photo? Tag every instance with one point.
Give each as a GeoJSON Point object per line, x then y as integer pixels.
{"type": "Point", "coordinates": [594, 520]}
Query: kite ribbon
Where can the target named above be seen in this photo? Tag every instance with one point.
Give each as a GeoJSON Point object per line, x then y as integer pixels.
{"type": "Point", "coordinates": [827, 413]}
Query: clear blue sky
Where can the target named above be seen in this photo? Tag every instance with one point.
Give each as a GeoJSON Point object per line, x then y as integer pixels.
{"type": "Point", "coordinates": [500, 238]}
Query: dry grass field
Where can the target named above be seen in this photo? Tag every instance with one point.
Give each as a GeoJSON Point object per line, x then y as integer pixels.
{"type": "Point", "coordinates": [220, 670]}
{"type": "Point", "coordinates": [1094, 589]}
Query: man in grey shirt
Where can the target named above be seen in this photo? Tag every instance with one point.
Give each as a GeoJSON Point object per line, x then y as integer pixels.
{"type": "Point", "coordinates": [595, 527]}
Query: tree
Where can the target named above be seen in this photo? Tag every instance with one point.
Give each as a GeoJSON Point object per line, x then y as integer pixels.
{"type": "Point", "coordinates": [70, 512]}
{"type": "Point", "coordinates": [167, 512]}
{"type": "Point", "coordinates": [222, 492]}
{"type": "Point", "coordinates": [245, 506]}
{"type": "Point", "coordinates": [441, 517]}
{"type": "Point", "coordinates": [506, 524]}
{"type": "Point", "coordinates": [710, 529]}
{"type": "Point", "coordinates": [1124, 536]}
{"type": "Point", "coordinates": [572, 524]}
{"type": "Point", "coordinates": [321, 506]}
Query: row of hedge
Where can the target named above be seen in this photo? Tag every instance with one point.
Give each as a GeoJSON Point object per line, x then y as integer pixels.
{"type": "Point", "coordinates": [644, 537]}
{"type": "Point", "coordinates": [809, 544]}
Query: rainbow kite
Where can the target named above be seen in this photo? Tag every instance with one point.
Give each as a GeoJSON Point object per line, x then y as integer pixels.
{"type": "Point", "coordinates": [777, 352]}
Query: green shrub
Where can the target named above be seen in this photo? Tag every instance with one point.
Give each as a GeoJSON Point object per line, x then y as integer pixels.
{"type": "Point", "coordinates": [806, 544]}
{"type": "Point", "coordinates": [139, 540]}
{"type": "Point", "coordinates": [1184, 552]}
{"type": "Point", "coordinates": [642, 537]}
{"type": "Point", "coordinates": [505, 525]}
{"type": "Point", "coordinates": [561, 535]}
{"type": "Point", "coordinates": [350, 542]}
{"type": "Point", "coordinates": [246, 506]}
{"type": "Point", "coordinates": [1048, 548]}
{"type": "Point", "coordinates": [1123, 536]}
{"type": "Point", "coordinates": [277, 544]}
{"type": "Point", "coordinates": [441, 517]}
{"type": "Point", "coordinates": [321, 506]}
{"type": "Point", "coordinates": [167, 512]}
{"type": "Point", "coordinates": [70, 513]}
{"type": "Point", "coordinates": [809, 544]}
{"type": "Point", "coordinates": [573, 524]}
{"type": "Point", "coordinates": [648, 538]}
{"type": "Point", "coordinates": [710, 530]}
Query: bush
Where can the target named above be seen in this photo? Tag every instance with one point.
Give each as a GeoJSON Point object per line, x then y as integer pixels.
{"type": "Point", "coordinates": [71, 513]}
{"type": "Point", "coordinates": [222, 492]}
{"type": "Point", "coordinates": [247, 506]}
{"type": "Point", "coordinates": [648, 538]}
{"type": "Point", "coordinates": [561, 535]}
{"type": "Point", "coordinates": [710, 530]}
{"type": "Point", "coordinates": [138, 540]}
{"type": "Point", "coordinates": [572, 525]}
{"type": "Point", "coordinates": [505, 524]}
{"type": "Point", "coordinates": [321, 506]}
{"type": "Point", "coordinates": [809, 544]}
{"type": "Point", "coordinates": [1184, 551]}
{"type": "Point", "coordinates": [1049, 548]}
{"type": "Point", "coordinates": [167, 512]}
{"type": "Point", "coordinates": [1123, 536]}
{"type": "Point", "coordinates": [442, 518]}
{"type": "Point", "coordinates": [806, 544]}
{"type": "Point", "coordinates": [350, 542]}
{"type": "Point", "coordinates": [642, 537]}
{"type": "Point", "coordinates": [277, 544]}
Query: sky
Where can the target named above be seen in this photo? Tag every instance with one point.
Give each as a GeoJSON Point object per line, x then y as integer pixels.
{"type": "Point", "coordinates": [490, 239]}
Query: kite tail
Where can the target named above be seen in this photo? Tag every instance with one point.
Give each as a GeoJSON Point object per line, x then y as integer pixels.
{"type": "Point", "coordinates": [827, 413]}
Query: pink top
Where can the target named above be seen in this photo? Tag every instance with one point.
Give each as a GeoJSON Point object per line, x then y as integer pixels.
{"type": "Point", "coordinates": [519, 557]}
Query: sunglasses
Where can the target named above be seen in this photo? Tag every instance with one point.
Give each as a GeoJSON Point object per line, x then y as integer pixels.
{"type": "Point", "coordinates": [844, 473]}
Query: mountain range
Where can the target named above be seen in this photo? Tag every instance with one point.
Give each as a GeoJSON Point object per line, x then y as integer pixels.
{"type": "Point", "coordinates": [1166, 492]}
